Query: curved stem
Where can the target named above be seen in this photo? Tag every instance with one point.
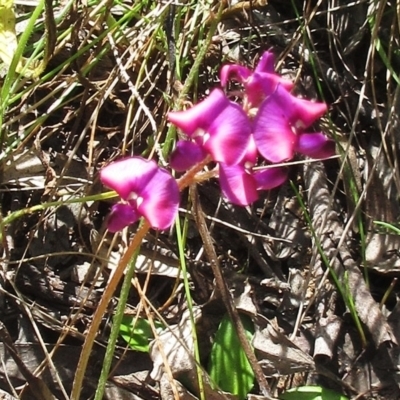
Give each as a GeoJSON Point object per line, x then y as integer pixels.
{"type": "Point", "coordinates": [183, 182]}
{"type": "Point", "coordinates": [170, 138]}
{"type": "Point", "coordinates": [101, 309]}
{"type": "Point", "coordinates": [119, 313]}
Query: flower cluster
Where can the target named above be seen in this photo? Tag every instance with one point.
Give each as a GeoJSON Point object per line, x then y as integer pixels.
{"type": "Point", "coordinates": [268, 127]}
{"type": "Point", "coordinates": [146, 190]}
{"type": "Point", "coordinates": [270, 122]}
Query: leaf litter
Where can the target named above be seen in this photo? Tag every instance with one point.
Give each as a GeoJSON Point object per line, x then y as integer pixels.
{"type": "Point", "coordinates": [97, 108]}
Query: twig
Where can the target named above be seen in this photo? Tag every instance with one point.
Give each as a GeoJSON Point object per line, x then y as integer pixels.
{"type": "Point", "coordinates": [183, 182]}
{"type": "Point", "coordinates": [223, 289]}
{"type": "Point", "coordinates": [37, 386]}
{"type": "Point", "coordinates": [101, 308]}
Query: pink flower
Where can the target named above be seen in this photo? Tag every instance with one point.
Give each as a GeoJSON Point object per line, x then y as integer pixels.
{"type": "Point", "coordinates": [146, 190]}
{"type": "Point", "coordinates": [186, 154]}
{"type": "Point", "coordinates": [240, 184]}
{"type": "Point", "coordinates": [279, 125]}
{"type": "Point", "coordinates": [271, 123]}
{"type": "Point", "coordinates": [215, 126]}
{"type": "Point", "coordinates": [258, 84]}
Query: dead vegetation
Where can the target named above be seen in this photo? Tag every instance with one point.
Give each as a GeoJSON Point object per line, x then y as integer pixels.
{"type": "Point", "coordinates": [307, 262]}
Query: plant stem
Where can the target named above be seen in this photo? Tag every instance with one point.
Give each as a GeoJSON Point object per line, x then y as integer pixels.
{"type": "Point", "coordinates": [190, 308]}
{"type": "Point", "coordinates": [170, 137]}
{"type": "Point", "coordinates": [223, 289]}
{"type": "Point", "coordinates": [119, 313]}
{"type": "Point", "coordinates": [183, 182]}
{"type": "Point", "coordinates": [102, 306]}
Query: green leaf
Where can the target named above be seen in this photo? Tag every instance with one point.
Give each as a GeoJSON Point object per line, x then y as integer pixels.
{"type": "Point", "coordinates": [312, 393]}
{"type": "Point", "coordinates": [228, 366]}
{"type": "Point", "coordinates": [388, 226]}
{"type": "Point", "coordinates": [137, 332]}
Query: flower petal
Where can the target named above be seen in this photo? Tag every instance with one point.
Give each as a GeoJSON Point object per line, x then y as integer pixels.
{"type": "Point", "coordinates": [263, 84]}
{"type": "Point", "coordinates": [266, 63]}
{"type": "Point", "coordinates": [121, 216]}
{"type": "Point", "coordinates": [160, 200]}
{"type": "Point", "coordinates": [237, 184]}
{"type": "Point", "coordinates": [200, 115]}
{"type": "Point", "coordinates": [186, 155]}
{"type": "Point", "coordinates": [229, 135]}
{"type": "Point", "coordinates": [240, 73]}
{"type": "Point", "coordinates": [301, 113]}
{"type": "Point", "coordinates": [270, 178]}
{"type": "Point", "coordinates": [250, 156]}
{"type": "Point", "coordinates": [128, 175]}
{"type": "Point", "coordinates": [315, 145]}
{"type": "Point", "coordinates": [273, 135]}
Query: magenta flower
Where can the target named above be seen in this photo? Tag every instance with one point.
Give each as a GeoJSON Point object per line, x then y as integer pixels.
{"type": "Point", "coordinates": [215, 126]}
{"type": "Point", "coordinates": [271, 122]}
{"type": "Point", "coordinates": [237, 184]}
{"type": "Point", "coordinates": [146, 190]}
{"type": "Point", "coordinates": [240, 184]}
{"type": "Point", "coordinates": [259, 83]}
{"type": "Point", "coordinates": [186, 154]}
{"type": "Point", "coordinates": [279, 125]}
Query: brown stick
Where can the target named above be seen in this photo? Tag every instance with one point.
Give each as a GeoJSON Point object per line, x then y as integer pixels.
{"type": "Point", "coordinates": [37, 386]}
{"type": "Point", "coordinates": [183, 182]}
{"type": "Point", "coordinates": [223, 289]}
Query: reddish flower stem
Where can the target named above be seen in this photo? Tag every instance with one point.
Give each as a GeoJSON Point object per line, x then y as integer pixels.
{"type": "Point", "coordinates": [183, 182]}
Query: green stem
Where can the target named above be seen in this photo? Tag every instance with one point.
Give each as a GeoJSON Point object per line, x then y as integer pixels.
{"type": "Point", "coordinates": [9, 79]}
{"type": "Point", "coordinates": [170, 138]}
{"type": "Point", "coordinates": [101, 309]}
{"type": "Point", "coordinates": [344, 290]}
{"type": "Point", "coordinates": [40, 207]}
{"type": "Point", "coordinates": [117, 320]}
{"type": "Point", "coordinates": [91, 333]}
{"type": "Point", "coordinates": [190, 307]}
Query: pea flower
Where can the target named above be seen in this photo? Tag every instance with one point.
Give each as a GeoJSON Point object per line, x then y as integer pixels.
{"type": "Point", "coordinates": [258, 84]}
{"type": "Point", "coordinates": [279, 128]}
{"type": "Point", "coordinates": [271, 122]}
{"type": "Point", "coordinates": [241, 184]}
{"type": "Point", "coordinates": [146, 190]}
{"type": "Point", "coordinates": [215, 126]}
